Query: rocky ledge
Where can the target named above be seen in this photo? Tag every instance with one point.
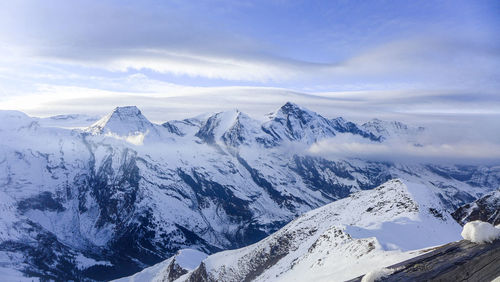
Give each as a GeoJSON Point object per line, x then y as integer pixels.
{"type": "Point", "coordinates": [457, 261]}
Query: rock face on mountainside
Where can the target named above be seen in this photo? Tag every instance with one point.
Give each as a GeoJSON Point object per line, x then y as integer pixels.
{"type": "Point", "coordinates": [487, 209]}
{"type": "Point", "coordinates": [125, 193]}
{"type": "Point", "coordinates": [457, 261]}
{"type": "Point", "coordinates": [393, 129]}
{"type": "Point", "coordinates": [171, 269]}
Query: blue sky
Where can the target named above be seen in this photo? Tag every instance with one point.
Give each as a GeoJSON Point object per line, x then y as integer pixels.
{"type": "Point", "coordinates": [436, 57]}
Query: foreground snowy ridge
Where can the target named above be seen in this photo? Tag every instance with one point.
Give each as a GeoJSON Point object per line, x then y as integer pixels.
{"type": "Point", "coordinates": [474, 259]}
{"type": "Point", "coordinates": [168, 270]}
{"type": "Point", "coordinates": [72, 199]}
{"type": "Point", "coordinates": [364, 232]}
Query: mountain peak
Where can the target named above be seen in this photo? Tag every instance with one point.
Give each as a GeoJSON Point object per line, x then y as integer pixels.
{"type": "Point", "coordinates": [127, 111]}
{"type": "Point", "coordinates": [294, 122]}
{"type": "Point", "coordinates": [223, 124]}
{"type": "Point", "coordinates": [123, 121]}
{"type": "Point", "coordinates": [290, 108]}
{"type": "Point", "coordinates": [290, 105]}
{"type": "Point", "coordinates": [15, 119]}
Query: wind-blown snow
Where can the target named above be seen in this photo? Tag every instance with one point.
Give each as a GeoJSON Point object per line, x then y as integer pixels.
{"type": "Point", "coordinates": [376, 275]}
{"type": "Point", "coordinates": [480, 232]}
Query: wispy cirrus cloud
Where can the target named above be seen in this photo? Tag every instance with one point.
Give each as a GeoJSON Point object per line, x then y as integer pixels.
{"type": "Point", "coordinates": [329, 49]}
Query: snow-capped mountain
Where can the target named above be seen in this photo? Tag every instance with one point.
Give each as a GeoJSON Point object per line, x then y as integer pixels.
{"type": "Point", "coordinates": [294, 123]}
{"type": "Point", "coordinates": [344, 126]}
{"type": "Point", "coordinates": [366, 231]}
{"type": "Point", "coordinates": [126, 193]}
{"type": "Point", "coordinates": [129, 123]}
{"type": "Point", "coordinates": [486, 208]}
{"type": "Point", "coordinates": [393, 129]}
{"type": "Point", "coordinates": [231, 128]}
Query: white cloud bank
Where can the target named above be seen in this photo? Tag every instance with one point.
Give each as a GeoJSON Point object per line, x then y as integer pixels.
{"type": "Point", "coordinates": [399, 150]}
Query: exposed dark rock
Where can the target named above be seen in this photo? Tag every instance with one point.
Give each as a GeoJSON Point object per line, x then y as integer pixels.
{"type": "Point", "coordinates": [435, 213]}
{"type": "Point", "coordinates": [44, 202]}
{"type": "Point", "coordinates": [283, 200]}
{"type": "Point", "coordinates": [343, 126]}
{"type": "Point", "coordinates": [315, 171]}
{"type": "Point", "coordinates": [291, 122]}
{"type": "Point", "coordinates": [172, 128]}
{"type": "Point", "coordinates": [457, 261]}
{"type": "Point", "coordinates": [199, 275]}
{"type": "Point", "coordinates": [485, 209]}
{"type": "Point", "coordinates": [257, 263]}
{"type": "Point", "coordinates": [173, 271]}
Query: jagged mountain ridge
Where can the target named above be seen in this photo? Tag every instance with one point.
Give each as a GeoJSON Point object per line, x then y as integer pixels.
{"type": "Point", "coordinates": [112, 205]}
{"type": "Point", "coordinates": [392, 129]}
{"type": "Point", "coordinates": [170, 269]}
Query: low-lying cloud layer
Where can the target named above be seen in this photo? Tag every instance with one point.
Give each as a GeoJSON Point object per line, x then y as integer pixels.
{"type": "Point", "coordinates": [394, 150]}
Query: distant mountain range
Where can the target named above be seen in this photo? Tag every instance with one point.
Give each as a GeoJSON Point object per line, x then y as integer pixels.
{"type": "Point", "coordinates": [123, 193]}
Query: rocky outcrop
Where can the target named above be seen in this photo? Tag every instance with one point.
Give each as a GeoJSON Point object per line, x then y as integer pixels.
{"type": "Point", "coordinates": [485, 209]}
{"type": "Point", "coordinates": [457, 261]}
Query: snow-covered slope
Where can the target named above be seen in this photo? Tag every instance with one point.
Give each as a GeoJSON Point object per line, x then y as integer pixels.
{"type": "Point", "coordinates": [68, 121]}
{"type": "Point", "coordinates": [15, 121]}
{"type": "Point", "coordinates": [342, 240]}
{"type": "Point", "coordinates": [182, 262]}
{"type": "Point", "coordinates": [393, 130]}
{"type": "Point", "coordinates": [231, 128]}
{"type": "Point", "coordinates": [126, 193]}
{"type": "Point", "coordinates": [294, 123]}
{"type": "Point", "coordinates": [344, 126]}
